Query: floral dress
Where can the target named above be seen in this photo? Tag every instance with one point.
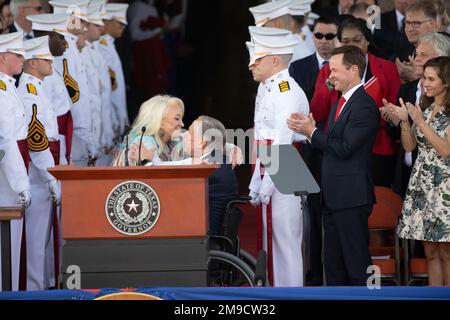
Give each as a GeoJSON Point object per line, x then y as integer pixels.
{"type": "Point", "coordinates": [426, 209]}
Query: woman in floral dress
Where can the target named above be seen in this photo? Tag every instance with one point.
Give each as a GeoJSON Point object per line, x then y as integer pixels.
{"type": "Point", "coordinates": [426, 210]}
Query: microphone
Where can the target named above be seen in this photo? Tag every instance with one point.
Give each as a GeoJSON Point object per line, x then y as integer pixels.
{"type": "Point", "coordinates": [126, 151]}
{"type": "Point", "coordinates": [140, 144]}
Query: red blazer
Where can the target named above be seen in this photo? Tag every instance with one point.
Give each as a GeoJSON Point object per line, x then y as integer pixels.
{"type": "Point", "coordinates": [389, 79]}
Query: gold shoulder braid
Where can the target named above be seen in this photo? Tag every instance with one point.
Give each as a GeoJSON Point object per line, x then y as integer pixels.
{"type": "Point", "coordinates": [31, 89]}
{"type": "Point", "coordinates": [284, 86]}
{"type": "Point", "coordinates": [71, 84]}
{"type": "Point", "coordinates": [37, 138]}
{"type": "Point", "coordinates": [2, 85]}
{"type": "Point", "coordinates": [112, 75]}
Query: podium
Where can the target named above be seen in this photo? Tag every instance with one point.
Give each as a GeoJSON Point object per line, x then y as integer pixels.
{"type": "Point", "coordinates": [134, 226]}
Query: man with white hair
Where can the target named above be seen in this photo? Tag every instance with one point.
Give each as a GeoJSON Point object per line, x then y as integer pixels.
{"type": "Point", "coordinates": [429, 46]}
{"type": "Point", "coordinates": [21, 9]}
{"type": "Point", "coordinates": [14, 183]}
{"type": "Point", "coordinates": [278, 96]}
{"type": "Point", "coordinates": [277, 14]}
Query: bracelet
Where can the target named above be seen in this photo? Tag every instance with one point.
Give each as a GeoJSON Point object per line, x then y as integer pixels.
{"type": "Point", "coordinates": [405, 126]}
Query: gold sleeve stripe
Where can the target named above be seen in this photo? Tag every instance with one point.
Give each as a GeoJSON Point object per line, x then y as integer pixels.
{"type": "Point", "coordinates": [284, 86]}
{"type": "Point", "coordinates": [31, 89]}
{"type": "Point", "coordinates": [112, 75]}
{"type": "Point", "coordinates": [71, 83]}
{"type": "Point", "coordinates": [37, 138]}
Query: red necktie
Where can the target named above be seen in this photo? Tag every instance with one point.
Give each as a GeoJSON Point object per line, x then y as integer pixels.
{"type": "Point", "coordinates": [339, 107]}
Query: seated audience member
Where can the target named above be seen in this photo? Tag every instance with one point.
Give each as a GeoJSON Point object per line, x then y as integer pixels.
{"type": "Point", "coordinates": [425, 209]}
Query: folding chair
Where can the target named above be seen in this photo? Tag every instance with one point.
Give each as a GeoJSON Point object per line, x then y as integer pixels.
{"type": "Point", "coordinates": [384, 217]}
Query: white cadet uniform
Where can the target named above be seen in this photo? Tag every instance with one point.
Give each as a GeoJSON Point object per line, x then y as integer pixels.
{"type": "Point", "coordinates": [302, 49]}
{"type": "Point", "coordinates": [56, 91]}
{"type": "Point", "coordinates": [42, 130]}
{"type": "Point", "coordinates": [308, 38]}
{"type": "Point", "coordinates": [75, 79]}
{"type": "Point", "coordinates": [13, 173]}
{"type": "Point", "coordinates": [118, 87]}
{"type": "Point", "coordinates": [110, 122]}
{"type": "Point", "coordinates": [277, 98]}
{"type": "Point", "coordinates": [95, 98]}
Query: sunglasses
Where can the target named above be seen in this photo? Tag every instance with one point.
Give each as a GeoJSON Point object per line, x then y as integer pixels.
{"type": "Point", "coordinates": [328, 36]}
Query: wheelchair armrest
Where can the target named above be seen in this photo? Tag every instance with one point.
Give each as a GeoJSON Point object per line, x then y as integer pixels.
{"type": "Point", "coordinates": [223, 243]}
{"type": "Point", "coordinates": [240, 200]}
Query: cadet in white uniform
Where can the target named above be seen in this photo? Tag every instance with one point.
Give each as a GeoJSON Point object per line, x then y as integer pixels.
{"type": "Point", "coordinates": [84, 147]}
{"type": "Point", "coordinates": [14, 183]}
{"type": "Point", "coordinates": [304, 34]}
{"type": "Point", "coordinates": [115, 24]}
{"type": "Point", "coordinates": [278, 96]}
{"type": "Point", "coordinates": [43, 143]}
{"type": "Point", "coordinates": [277, 14]}
{"type": "Point", "coordinates": [109, 118]}
{"type": "Point", "coordinates": [55, 26]}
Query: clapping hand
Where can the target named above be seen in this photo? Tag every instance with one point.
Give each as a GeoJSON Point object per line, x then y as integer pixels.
{"type": "Point", "coordinates": [415, 113]}
{"type": "Point", "coordinates": [299, 123]}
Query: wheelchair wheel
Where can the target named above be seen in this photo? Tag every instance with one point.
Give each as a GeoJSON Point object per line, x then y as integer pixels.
{"type": "Point", "coordinates": [248, 258]}
{"type": "Point", "coordinates": [227, 270]}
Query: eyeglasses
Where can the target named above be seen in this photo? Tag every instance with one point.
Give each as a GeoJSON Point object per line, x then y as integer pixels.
{"type": "Point", "coordinates": [328, 36]}
{"type": "Point", "coordinates": [415, 24]}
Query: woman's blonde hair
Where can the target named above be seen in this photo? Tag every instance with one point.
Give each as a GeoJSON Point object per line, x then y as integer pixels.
{"type": "Point", "coordinates": [151, 114]}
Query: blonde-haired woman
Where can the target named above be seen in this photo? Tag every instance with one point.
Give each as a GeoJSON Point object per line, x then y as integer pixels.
{"type": "Point", "coordinates": [161, 120]}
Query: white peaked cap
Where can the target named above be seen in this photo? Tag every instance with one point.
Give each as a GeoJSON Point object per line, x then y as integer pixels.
{"type": "Point", "coordinates": [118, 11]}
{"type": "Point", "coordinates": [267, 31]}
{"type": "Point", "coordinates": [271, 45]}
{"type": "Point", "coordinates": [104, 14]}
{"type": "Point", "coordinates": [56, 22]}
{"type": "Point", "coordinates": [12, 42]}
{"type": "Point", "coordinates": [251, 52]}
{"type": "Point", "coordinates": [270, 10]}
{"type": "Point", "coordinates": [77, 8]}
{"type": "Point", "coordinates": [37, 48]}
{"type": "Point", "coordinates": [94, 14]}
{"type": "Point", "coordinates": [312, 17]}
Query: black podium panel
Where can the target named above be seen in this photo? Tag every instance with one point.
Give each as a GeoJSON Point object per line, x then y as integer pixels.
{"type": "Point", "coordinates": [136, 262]}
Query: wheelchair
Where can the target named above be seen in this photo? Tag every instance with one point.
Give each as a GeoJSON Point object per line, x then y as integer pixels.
{"type": "Point", "coordinates": [228, 264]}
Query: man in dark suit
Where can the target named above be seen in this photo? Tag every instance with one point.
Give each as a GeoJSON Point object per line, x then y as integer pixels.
{"type": "Point", "coordinates": [347, 186]}
{"type": "Point", "coordinates": [21, 9]}
{"type": "Point", "coordinates": [392, 30]}
{"type": "Point", "coordinates": [339, 11]}
{"type": "Point", "coordinates": [421, 18]}
{"type": "Point", "coordinates": [305, 70]}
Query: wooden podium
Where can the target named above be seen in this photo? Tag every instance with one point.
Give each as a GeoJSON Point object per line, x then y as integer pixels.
{"type": "Point", "coordinates": [134, 226]}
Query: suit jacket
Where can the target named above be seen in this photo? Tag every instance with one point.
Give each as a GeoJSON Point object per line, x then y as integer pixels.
{"type": "Point", "coordinates": [305, 72]}
{"type": "Point", "coordinates": [408, 93]}
{"type": "Point", "coordinates": [386, 37]}
{"type": "Point", "coordinates": [347, 151]}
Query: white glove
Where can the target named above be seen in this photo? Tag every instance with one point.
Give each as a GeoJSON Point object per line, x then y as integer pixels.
{"type": "Point", "coordinates": [255, 198]}
{"type": "Point", "coordinates": [55, 191]}
{"type": "Point", "coordinates": [265, 199]}
{"type": "Point", "coordinates": [24, 199]}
